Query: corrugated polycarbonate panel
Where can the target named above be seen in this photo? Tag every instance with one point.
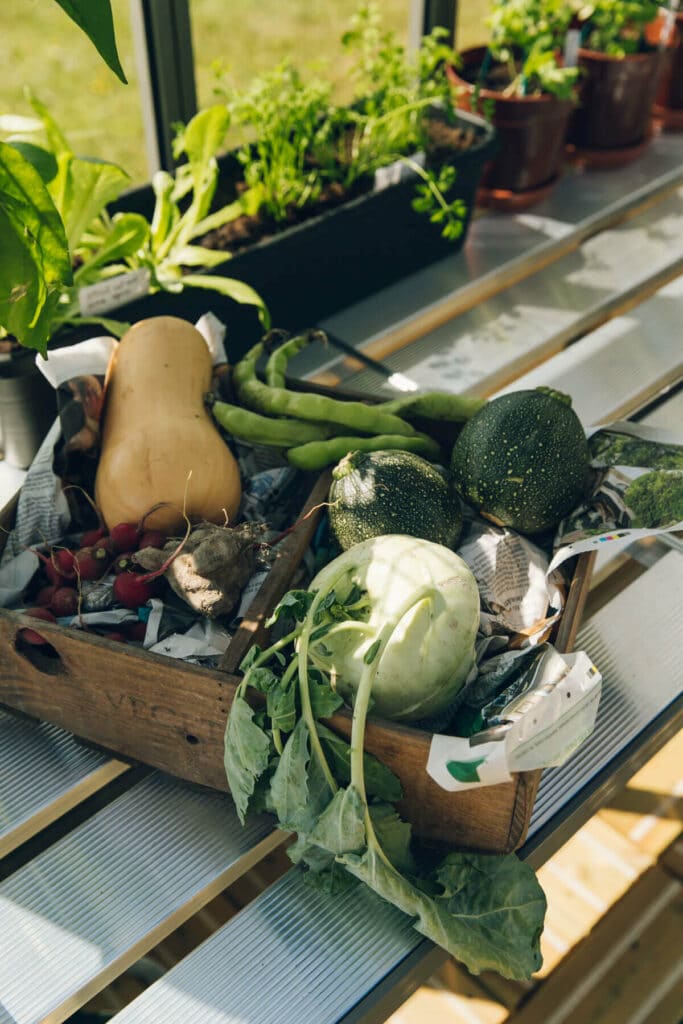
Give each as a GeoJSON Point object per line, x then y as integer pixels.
{"type": "Point", "coordinates": [293, 954]}
{"type": "Point", "coordinates": [581, 205]}
{"type": "Point", "coordinates": [102, 895]}
{"type": "Point", "coordinates": [43, 773]}
{"type": "Point", "coordinates": [637, 643]}
{"type": "Point", "coordinates": [556, 304]}
{"type": "Point", "coordinates": [611, 366]}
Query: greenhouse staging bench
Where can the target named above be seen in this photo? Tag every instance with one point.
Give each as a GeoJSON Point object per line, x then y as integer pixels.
{"type": "Point", "coordinates": [101, 861]}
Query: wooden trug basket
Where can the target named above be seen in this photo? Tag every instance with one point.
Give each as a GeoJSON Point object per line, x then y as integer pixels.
{"type": "Point", "coordinates": [171, 715]}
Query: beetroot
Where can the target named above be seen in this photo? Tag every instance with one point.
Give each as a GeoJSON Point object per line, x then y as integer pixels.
{"type": "Point", "coordinates": [132, 591]}
{"type": "Point", "coordinates": [64, 602]}
{"type": "Point", "coordinates": [88, 566]}
{"type": "Point", "coordinates": [124, 537]}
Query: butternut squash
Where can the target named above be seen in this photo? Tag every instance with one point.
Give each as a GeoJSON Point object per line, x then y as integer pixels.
{"type": "Point", "coordinates": [159, 443]}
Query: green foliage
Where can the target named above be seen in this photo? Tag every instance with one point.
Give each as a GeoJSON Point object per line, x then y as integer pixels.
{"type": "Point", "coordinates": [485, 910]}
{"type": "Point", "coordinates": [615, 27]}
{"type": "Point", "coordinates": [34, 261]}
{"type": "Point", "coordinates": [100, 245]}
{"type": "Point", "coordinates": [296, 143]}
{"type": "Point", "coordinates": [656, 499]}
{"type": "Point", "coordinates": [94, 17]}
{"type": "Point", "coordinates": [527, 35]}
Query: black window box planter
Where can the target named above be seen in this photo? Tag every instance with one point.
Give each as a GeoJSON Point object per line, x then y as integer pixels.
{"type": "Point", "coordinates": [311, 270]}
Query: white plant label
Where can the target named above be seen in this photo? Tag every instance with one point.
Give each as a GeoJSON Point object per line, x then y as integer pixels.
{"type": "Point", "coordinates": [104, 296]}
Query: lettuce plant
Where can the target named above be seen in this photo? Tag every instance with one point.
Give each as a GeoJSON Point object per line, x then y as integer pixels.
{"type": "Point", "coordinates": [54, 205]}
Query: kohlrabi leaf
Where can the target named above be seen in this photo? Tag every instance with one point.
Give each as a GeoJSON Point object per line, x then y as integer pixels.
{"type": "Point", "coordinates": [263, 679]}
{"type": "Point", "coordinates": [299, 791]}
{"type": "Point", "coordinates": [380, 781]}
{"type": "Point", "coordinates": [340, 828]}
{"type": "Point", "coordinates": [281, 705]}
{"type": "Point", "coordinates": [394, 836]}
{"type": "Point", "coordinates": [247, 750]}
{"type": "Point", "coordinates": [324, 700]}
{"type": "Point", "coordinates": [96, 20]}
{"type": "Point", "coordinates": [252, 655]}
{"type": "Point", "coordinates": [294, 604]}
{"type": "Point", "coordinates": [34, 257]}
{"type": "Point", "coordinates": [492, 922]}
{"type": "Point", "coordinates": [321, 871]}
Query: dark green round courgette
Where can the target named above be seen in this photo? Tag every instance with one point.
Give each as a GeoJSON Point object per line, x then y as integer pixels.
{"type": "Point", "coordinates": [377, 493]}
{"type": "Point", "coordinates": [522, 460]}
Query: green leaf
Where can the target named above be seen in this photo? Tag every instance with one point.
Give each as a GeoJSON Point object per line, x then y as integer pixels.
{"type": "Point", "coordinates": [263, 679]}
{"type": "Point", "coordinates": [281, 704]}
{"type": "Point", "coordinates": [55, 137]}
{"type": "Point", "coordinates": [394, 836]}
{"type": "Point", "coordinates": [42, 159]}
{"type": "Point", "coordinates": [129, 232]}
{"type": "Point", "coordinates": [380, 782]}
{"type": "Point", "coordinates": [95, 19]}
{"type": "Point", "coordinates": [500, 904]}
{"type": "Point", "coordinates": [34, 258]}
{"type": "Point", "coordinates": [247, 750]}
{"type": "Point", "coordinates": [324, 700]}
{"type": "Point", "coordinates": [321, 870]}
{"type": "Point", "coordinates": [252, 655]}
{"type": "Point", "coordinates": [198, 256]}
{"type": "Point", "coordinates": [341, 828]}
{"type": "Point", "coordinates": [372, 652]}
{"type": "Point", "coordinates": [289, 786]}
{"type": "Point", "coordinates": [85, 189]}
{"type": "Point", "coordinates": [294, 604]}
{"type": "Point", "coordinates": [492, 921]}
{"type": "Point", "coordinates": [299, 791]}
{"type": "Point", "coordinates": [238, 291]}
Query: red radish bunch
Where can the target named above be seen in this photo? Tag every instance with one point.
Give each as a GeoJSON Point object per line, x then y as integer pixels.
{"type": "Point", "coordinates": [132, 590]}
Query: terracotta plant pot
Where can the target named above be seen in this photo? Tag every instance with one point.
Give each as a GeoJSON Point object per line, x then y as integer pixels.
{"type": "Point", "coordinates": [531, 133]}
{"type": "Point", "coordinates": [668, 105]}
{"type": "Point", "coordinates": [616, 97]}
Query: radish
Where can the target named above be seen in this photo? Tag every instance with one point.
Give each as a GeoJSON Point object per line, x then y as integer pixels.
{"type": "Point", "coordinates": [116, 635]}
{"type": "Point", "coordinates": [30, 636]}
{"type": "Point", "coordinates": [124, 537]}
{"type": "Point", "coordinates": [125, 563]}
{"type": "Point", "coordinates": [53, 573]}
{"type": "Point", "coordinates": [91, 537]}
{"type": "Point", "coordinates": [64, 602]}
{"type": "Point", "coordinates": [88, 566]}
{"type": "Point", "coordinates": [152, 539]}
{"type": "Point", "coordinates": [137, 631]}
{"type": "Point", "coordinates": [132, 590]}
{"type": "Point", "coordinates": [45, 595]}
{"type": "Point", "coordinates": [103, 549]}
{"type": "Point", "coordinates": [63, 560]}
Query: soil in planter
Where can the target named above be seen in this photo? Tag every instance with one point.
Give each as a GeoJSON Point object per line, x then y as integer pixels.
{"type": "Point", "coordinates": [444, 140]}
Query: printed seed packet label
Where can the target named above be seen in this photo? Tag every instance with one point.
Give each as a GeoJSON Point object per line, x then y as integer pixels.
{"type": "Point", "coordinates": [95, 299]}
{"type": "Point", "coordinates": [548, 712]}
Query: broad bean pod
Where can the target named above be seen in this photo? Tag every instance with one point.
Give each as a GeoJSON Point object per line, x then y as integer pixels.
{"type": "Point", "coordinates": [245, 425]}
{"type": "Point", "coordinates": [279, 402]}
{"type": "Point", "coordinates": [435, 405]}
{"type": "Point", "coordinates": [318, 454]}
{"type": "Point", "coordinates": [280, 356]}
